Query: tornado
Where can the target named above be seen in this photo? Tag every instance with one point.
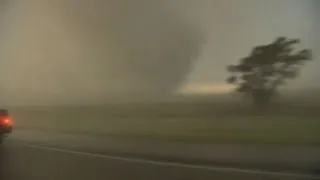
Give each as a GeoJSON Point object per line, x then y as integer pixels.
{"type": "Point", "coordinates": [78, 51]}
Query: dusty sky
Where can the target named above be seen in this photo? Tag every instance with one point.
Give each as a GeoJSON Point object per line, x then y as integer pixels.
{"type": "Point", "coordinates": [233, 27]}
{"type": "Point", "coordinates": [77, 50]}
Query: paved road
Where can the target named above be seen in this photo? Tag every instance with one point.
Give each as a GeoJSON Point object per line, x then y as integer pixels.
{"type": "Point", "coordinates": [20, 161]}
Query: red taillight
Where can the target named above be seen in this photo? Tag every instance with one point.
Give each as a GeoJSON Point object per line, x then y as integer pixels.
{"type": "Point", "coordinates": [6, 120]}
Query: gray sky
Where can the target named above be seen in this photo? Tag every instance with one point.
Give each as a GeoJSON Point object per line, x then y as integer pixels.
{"type": "Point", "coordinates": [79, 50]}
{"type": "Point", "coordinates": [234, 27]}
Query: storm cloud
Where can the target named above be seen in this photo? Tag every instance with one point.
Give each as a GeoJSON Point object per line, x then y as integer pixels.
{"type": "Point", "coordinates": [91, 50]}
{"type": "Point", "coordinates": [81, 50]}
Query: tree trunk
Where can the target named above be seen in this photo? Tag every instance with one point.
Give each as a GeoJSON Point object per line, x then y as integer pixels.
{"type": "Point", "coordinates": [261, 99]}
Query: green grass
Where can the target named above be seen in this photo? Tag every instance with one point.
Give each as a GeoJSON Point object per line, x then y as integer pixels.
{"type": "Point", "coordinates": [203, 123]}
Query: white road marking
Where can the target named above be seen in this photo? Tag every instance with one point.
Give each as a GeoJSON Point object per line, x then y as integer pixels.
{"type": "Point", "coordinates": [174, 164]}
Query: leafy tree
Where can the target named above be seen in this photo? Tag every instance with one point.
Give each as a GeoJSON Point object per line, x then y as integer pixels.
{"type": "Point", "coordinates": [266, 68]}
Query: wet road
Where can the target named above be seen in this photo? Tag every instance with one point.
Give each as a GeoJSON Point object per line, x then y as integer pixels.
{"type": "Point", "coordinates": [32, 162]}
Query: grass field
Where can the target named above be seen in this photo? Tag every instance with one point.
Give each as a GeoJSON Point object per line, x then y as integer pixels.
{"type": "Point", "coordinates": [195, 122]}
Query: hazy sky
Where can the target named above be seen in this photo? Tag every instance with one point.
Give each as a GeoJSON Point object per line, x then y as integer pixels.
{"type": "Point", "coordinates": [234, 27]}
{"type": "Point", "coordinates": [84, 50]}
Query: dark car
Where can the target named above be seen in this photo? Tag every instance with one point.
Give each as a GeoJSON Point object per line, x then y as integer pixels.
{"type": "Point", "coordinates": [5, 124]}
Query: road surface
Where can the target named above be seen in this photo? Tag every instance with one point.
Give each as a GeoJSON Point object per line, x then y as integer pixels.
{"type": "Point", "coordinates": [21, 160]}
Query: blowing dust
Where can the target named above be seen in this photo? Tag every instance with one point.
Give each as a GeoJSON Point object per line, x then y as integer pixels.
{"type": "Point", "coordinates": [78, 51]}
{"type": "Point", "coordinates": [67, 51]}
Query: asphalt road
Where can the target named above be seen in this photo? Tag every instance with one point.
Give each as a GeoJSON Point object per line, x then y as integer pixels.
{"type": "Point", "coordinates": [22, 161]}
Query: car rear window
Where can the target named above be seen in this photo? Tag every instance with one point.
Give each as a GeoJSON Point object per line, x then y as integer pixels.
{"type": "Point", "coordinates": [3, 112]}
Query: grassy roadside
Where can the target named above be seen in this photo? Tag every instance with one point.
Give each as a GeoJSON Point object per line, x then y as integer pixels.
{"type": "Point", "coordinates": [185, 125]}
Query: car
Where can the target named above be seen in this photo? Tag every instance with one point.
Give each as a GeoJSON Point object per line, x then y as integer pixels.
{"type": "Point", "coordinates": [6, 124]}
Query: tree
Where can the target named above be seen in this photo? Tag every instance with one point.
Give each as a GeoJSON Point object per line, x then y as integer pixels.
{"type": "Point", "coordinates": [266, 68]}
